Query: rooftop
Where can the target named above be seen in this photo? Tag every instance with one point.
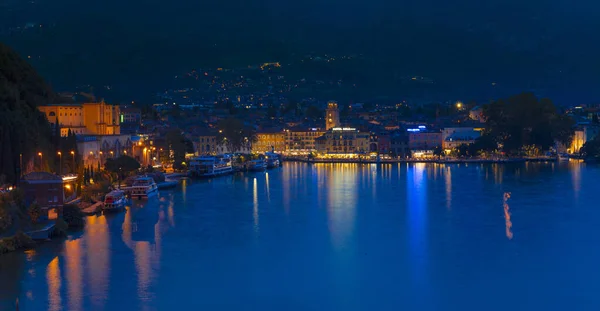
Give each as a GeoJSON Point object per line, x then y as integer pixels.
{"type": "Point", "coordinates": [41, 176]}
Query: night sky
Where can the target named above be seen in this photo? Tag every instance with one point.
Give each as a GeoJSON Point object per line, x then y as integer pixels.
{"type": "Point", "coordinates": [549, 47]}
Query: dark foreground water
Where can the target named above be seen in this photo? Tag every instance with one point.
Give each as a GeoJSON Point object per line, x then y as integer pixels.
{"type": "Point", "coordinates": [334, 237]}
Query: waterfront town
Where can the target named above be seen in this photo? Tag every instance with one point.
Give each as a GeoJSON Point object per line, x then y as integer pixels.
{"type": "Point", "coordinates": [84, 155]}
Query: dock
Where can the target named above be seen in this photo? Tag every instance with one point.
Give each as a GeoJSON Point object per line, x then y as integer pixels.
{"type": "Point", "coordinates": [173, 176]}
{"type": "Point", "coordinates": [93, 209]}
{"type": "Point", "coordinates": [42, 234]}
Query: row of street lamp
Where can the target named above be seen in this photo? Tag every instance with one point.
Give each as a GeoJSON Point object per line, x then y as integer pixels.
{"type": "Point", "coordinates": [59, 153]}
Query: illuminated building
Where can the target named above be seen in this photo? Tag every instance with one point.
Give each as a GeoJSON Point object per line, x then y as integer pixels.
{"type": "Point", "coordinates": [583, 135]}
{"type": "Point", "coordinates": [453, 137]}
{"type": "Point", "coordinates": [343, 141]}
{"type": "Point", "coordinates": [332, 116]}
{"type": "Point", "coordinates": [268, 141]}
{"type": "Point", "coordinates": [206, 144]}
{"type": "Point", "coordinates": [422, 139]}
{"type": "Point", "coordinates": [87, 118]}
{"type": "Point", "coordinates": [301, 140]}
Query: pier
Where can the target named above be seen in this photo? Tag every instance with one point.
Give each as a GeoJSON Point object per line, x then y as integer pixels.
{"type": "Point", "coordinates": [42, 234]}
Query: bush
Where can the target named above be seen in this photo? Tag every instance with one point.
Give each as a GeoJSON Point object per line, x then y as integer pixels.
{"type": "Point", "coordinates": [60, 227]}
{"type": "Point", "coordinates": [34, 212]}
{"type": "Point", "coordinates": [16, 242]}
{"type": "Point", "coordinates": [18, 197]}
{"type": "Point", "coordinates": [5, 216]}
{"type": "Point", "coordinates": [73, 216]}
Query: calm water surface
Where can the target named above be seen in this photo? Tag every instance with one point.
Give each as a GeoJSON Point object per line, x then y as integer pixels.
{"type": "Point", "coordinates": [334, 237]}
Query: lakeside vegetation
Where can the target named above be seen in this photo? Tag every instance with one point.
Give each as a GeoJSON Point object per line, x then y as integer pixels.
{"type": "Point", "coordinates": [521, 125]}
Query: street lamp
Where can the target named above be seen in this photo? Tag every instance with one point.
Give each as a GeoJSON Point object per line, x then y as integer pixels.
{"type": "Point", "coordinates": [73, 154]}
{"type": "Point", "coordinates": [60, 163]}
{"type": "Point", "coordinates": [41, 160]}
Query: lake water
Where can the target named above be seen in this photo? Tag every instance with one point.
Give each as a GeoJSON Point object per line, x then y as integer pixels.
{"type": "Point", "coordinates": [334, 237]}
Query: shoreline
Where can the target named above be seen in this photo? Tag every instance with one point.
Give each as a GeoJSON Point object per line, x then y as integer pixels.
{"type": "Point", "coordinates": [437, 161]}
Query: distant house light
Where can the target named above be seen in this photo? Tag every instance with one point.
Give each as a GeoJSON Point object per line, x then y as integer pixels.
{"type": "Point", "coordinates": [422, 127]}
{"type": "Point", "coordinates": [413, 130]}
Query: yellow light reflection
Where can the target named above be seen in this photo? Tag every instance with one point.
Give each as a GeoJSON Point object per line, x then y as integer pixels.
{"type": "Point", "coordinates": [98, 259]}
{"type": "Point", "coordinates": [267, 184]}
{"type": "Point", "coordinates": [342, 182]}
{"type": "Point", "coordinates": [30, 253]}
{"type": "Point", "coordinates": [73, 256]}
{"type": "Point", "coordinates": [53, 280]}
{"type": "Point", "coordinates": [508, 223]}
{"type": "Point", "coordinates": [575, 169]}
{"type": "Point", "coordinates": [143, 269]}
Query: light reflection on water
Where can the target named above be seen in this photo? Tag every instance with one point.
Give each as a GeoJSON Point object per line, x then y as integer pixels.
{"type": "Point", "coordinates": [434, 229]}
{"type": "Point", "coordinates": [54, 281]}
{"type": "Point", "coordinates": [341, 200]}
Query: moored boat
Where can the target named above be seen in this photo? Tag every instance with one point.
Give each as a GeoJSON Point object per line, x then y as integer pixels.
{"type": "Point", "coordinates": [209, 166]}
{"type": "Point", "coordinates": [273, 159]}
{"type": "Point", "coordinates": [114, 201]}
{"type": "Point", "coordinates": [143, 188]}
{"type": "Point", "coordinates": [257, 165]}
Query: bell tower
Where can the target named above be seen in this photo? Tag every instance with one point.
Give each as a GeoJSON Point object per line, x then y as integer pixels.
{"type": "Point", "coordinates": [332, 117]}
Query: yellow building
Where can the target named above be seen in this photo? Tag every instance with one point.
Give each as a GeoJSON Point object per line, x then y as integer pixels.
{"type": "Point", "coordinates": [301, 140]}
{"type": "Point", "coordinates": [333, 116]}
{"type": "Point", "coordinates": [344, 142]}
{"type": "Point", "coordinates": [87, 118]}
{"type": "Point", "coordinates": [269, 141]}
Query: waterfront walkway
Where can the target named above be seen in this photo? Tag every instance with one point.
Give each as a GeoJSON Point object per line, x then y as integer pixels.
{"type": "Point", "coordinates": [439, 161]}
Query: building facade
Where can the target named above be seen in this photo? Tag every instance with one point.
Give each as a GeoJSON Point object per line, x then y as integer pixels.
{"type": "Point", "coordinates": [206, 144]}
{"type": "Point", "coordinates": [131, 120]}
{"type": "Point", "coordinates": [453, 137]}
{"type": "Point", "coordinates": [301, 140]}
{"type": "Point", "coordinates": [45, 189]}
{"type": "Point", "coordinates": [424, 140]}
{"type": "Point", "coordinates": [582, 135]}
{"type": "Point", "coordinates": [87, 118]}
{"type": "Point", "coordinates": [399, 145]}
{"type": "Point", "coordinates": [269, 141]}
{"type": "Point", "coordinates": [343, 141]}
{"type": "Point", "coordinates": [95, 149]}
{"type": "Point", "coordinates": [332, 116]}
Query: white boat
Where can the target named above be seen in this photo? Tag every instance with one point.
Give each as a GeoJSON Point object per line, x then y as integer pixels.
{"type": "Point", "coordinates": [273, 160]}
{"type": "Point", "coordinates": [208, 166]}
{"type": "Point", "coordinates": [257, 165]}
{"type": "Point", "coordinates": [114, 200]}
{"type": "Point", "coordinates": [143, 188]}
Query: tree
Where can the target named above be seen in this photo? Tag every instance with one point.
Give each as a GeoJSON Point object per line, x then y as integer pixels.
{"type": "Point", "coordinates": [34, 212]}
{"type": "Point", "coordinates": [591, 149]}
{"type": "Point", "coordinates": [177, 143]}
{"type": "Point", "coordinates": [523, 120]}
{"type": "Point", "coordinates": [234, 135]}
{"type": "Point", "coordinates": [122, 164]}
